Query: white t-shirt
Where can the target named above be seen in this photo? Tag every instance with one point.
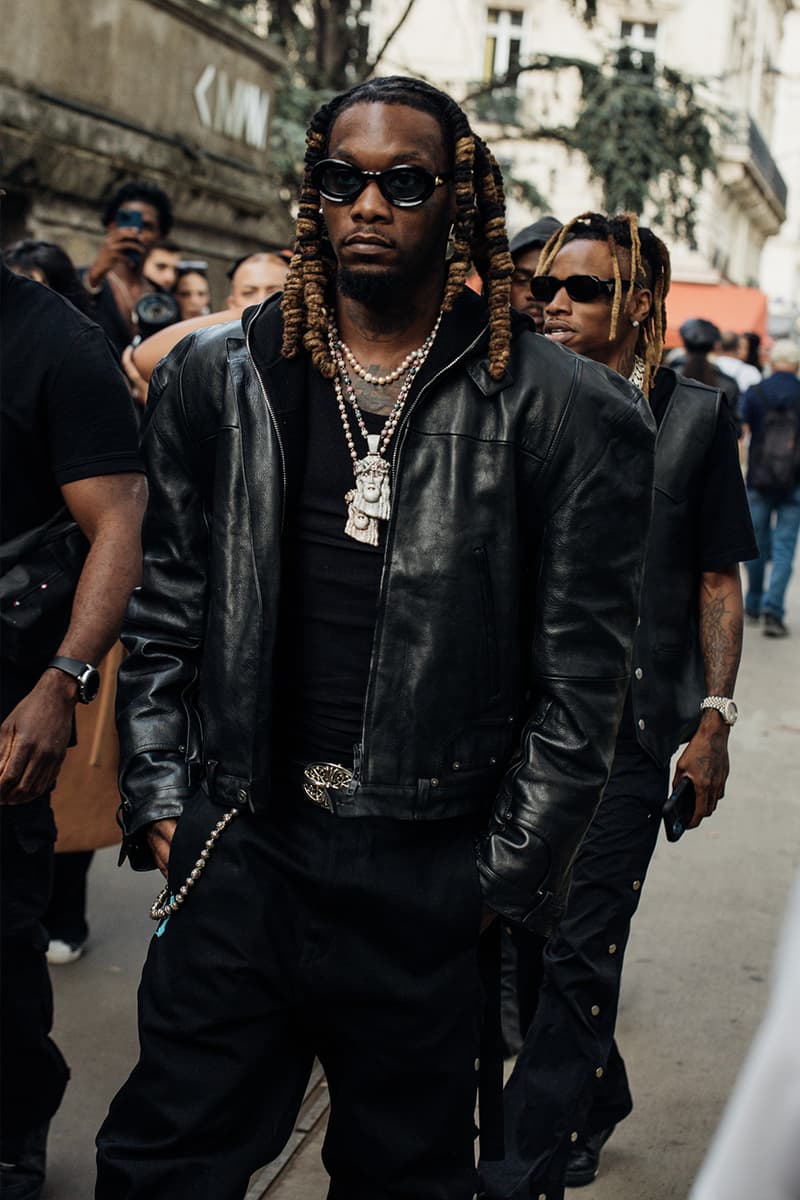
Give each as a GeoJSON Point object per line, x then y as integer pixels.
{"type": "Point", "coordinates": [745, 374]}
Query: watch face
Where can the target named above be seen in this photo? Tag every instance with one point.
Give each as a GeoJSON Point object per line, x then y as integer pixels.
{"type": "Point", "coordinates": [89, 684]}
{"type": "Point", "coordinates": [731, 712]}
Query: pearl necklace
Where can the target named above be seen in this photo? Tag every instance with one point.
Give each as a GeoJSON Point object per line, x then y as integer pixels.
{"type": "Point", "coordinates": [414, 356]}
{"type": "Point", "coordinates": [370, 500]}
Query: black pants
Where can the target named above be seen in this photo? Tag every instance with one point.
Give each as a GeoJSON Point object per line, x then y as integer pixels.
{"type": "Point", "coordinates": [353, 940]}
{"type": "Point", "coordinates": [569, 1077]}
{"type": "Point", "coordinates": [33, 1074]}
{"type": "Point", "coordinates": [65, 918]}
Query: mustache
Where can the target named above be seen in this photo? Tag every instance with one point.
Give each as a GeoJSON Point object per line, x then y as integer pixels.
{"type": "Point", "coordinates": [368, 235]}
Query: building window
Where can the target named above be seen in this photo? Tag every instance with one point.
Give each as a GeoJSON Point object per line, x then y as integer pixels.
{"type": "Point", "coordinates": [638, 41]}
{"type": "Point", "coordinates": [639, 33]}
{"type": "Point", "coordinates": [503, 46]}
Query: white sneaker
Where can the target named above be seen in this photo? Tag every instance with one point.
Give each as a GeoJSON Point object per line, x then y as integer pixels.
{"type": "Point", "coordinates": [60, 953]}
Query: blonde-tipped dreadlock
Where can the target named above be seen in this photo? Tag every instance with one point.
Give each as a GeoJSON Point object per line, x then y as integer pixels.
{"type": "Point", "coordinates": [479, 233]}
{"type": "Point", "coordinates": [649, 265]}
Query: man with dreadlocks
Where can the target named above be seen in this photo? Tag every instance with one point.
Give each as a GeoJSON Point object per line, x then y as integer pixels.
{"type": "Point", "coordinates": [393, 553]}
{"type": "Point", "coordinates": [603, 283]}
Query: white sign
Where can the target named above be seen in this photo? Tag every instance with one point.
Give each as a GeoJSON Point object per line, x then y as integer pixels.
{"type": "Point", "coordinates": [240, 112]}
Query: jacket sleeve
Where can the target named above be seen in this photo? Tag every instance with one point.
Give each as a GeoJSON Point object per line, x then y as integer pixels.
{"type": "Point", "coordinates": [596, 495]}
{"type": "Point", "coordinates": [159, 729]}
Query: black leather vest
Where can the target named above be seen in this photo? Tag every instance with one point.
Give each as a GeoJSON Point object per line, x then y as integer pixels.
{"type": "Point", "coordinates": [668, 679]}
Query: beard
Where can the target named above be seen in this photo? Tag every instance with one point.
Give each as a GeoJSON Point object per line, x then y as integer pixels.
{"type": "Point", "coordinates": [374, 289]}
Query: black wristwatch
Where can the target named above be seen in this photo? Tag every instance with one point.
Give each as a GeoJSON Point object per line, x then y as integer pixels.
{"type": "Point", "coordinates": [86, 676]}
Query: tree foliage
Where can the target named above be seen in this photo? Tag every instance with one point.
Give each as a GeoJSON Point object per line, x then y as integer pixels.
{"type": "Point", "coordinates": [646, 136]}
{"type": "Point", "coordinates": [644, 132]}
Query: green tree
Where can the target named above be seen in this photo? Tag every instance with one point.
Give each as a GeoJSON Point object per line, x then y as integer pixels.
{"type": "Point", "coordinates": [644, 131]}
{"type": "Point", "coordinates": [646, 135]}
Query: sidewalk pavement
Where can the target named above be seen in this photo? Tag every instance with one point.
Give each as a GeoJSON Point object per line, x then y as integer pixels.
{"type": "Point", "coordinates": [695, 985]}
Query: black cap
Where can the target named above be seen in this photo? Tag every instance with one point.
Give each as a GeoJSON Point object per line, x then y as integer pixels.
{"type": "Point", "coordinates": [699, 334]}
{"type": "Point", "coordinates": [534, 235]}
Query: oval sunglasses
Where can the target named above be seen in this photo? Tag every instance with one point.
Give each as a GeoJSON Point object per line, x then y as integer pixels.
{"type": "Point", "coordinates": [404, 186]}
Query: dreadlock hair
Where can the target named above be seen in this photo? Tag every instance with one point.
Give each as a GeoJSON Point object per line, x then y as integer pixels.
{"type": "Point", "coordinates": [649, 265]}
{"type": "Point", "coordinates": [478, 236]}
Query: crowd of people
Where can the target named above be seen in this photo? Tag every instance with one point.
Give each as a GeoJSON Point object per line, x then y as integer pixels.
{"type": "Point", "coordinates": [434, 582]}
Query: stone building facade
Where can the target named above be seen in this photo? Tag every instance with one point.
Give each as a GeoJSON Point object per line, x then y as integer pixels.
{"type": "Point", "coordinates": [96, 92]}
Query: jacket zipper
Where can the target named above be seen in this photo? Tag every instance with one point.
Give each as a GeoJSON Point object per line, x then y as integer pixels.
{"type": "Point", "coordinates": [358, 749]}
{"type": "Point", "coordinates": [274, 421]}
{"type": "Point", "coordinates": [272, 418]}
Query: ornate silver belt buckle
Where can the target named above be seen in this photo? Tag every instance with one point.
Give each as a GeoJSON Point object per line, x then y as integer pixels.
{"type": "Point", "coordinates": [318, 777]}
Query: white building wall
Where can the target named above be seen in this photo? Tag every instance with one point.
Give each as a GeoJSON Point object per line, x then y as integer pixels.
{"type": "Point", "coordinates": [780, 269]}
{"type": "Point", "coordinates": [730, 45]}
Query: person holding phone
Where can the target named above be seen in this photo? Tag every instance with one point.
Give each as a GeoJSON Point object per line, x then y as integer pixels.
{"type": "Point", "coordinates": [603, 282]}
{"type": "Point", "coordinates": [138, 215]}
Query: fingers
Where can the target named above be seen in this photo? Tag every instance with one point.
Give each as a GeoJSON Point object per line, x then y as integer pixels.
{"type": "Point", "coordinates": [6, 742]}
{"type": "Point", "coordinates": [13, 769]}
{"type": "Point", "coordinates": [127, 238]}
{"type": "Point", "coordinates": [159, 839]}
{"type": "Point", "coordinates": [707, 797]}
{"type": "Point", "coordinates": [41, 772]}
{"type": "Point", "coordinates": [700, 803]}
{"type": "Point", "coordinates": [29, 771]}
{"type": "Point", "coordinates": [159, 848]}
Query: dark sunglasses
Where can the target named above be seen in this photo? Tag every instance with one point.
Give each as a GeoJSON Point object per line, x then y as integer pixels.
{"type": "Point", "coordinates": [403, 186]}
{"type": "Point", "coordinates": [582, 288]}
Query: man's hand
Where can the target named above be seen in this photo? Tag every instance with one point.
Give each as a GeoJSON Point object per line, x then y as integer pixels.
{"type": "Point", "coordinates": [159, 839]}
{"type": "Point", "coordinates": [116, 246]}
{"type": "Point", "coordinates": [705, 761]}
{"type": "Point", "coordinates": [487, 917]}
{"type": "Point", "coordinates": [34, 738]}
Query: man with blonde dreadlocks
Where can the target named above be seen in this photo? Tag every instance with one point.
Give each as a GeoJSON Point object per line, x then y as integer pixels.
{"type": "Point", "coordinates": [392, 560]}
{"type": "Point", "coordinates": [603, 283]}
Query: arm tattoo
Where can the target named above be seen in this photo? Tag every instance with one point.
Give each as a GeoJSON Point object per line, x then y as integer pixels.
{"type": "Point", "coordinates": [721, 630]}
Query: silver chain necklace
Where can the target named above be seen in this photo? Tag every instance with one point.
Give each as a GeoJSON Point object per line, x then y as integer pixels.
{"type": "Point", "coordinates": [637, 374]}
{"type": "Point", "coordinates": [370, 501]}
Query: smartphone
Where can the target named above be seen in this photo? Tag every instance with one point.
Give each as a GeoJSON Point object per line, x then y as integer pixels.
{"type": "Point", "coordinates": [679, 809]}
{"type": "Point", "coordinates": [130, 218]}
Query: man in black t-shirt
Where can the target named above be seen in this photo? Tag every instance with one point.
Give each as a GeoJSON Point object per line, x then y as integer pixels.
{"type": "Point", "coordinates": [569, 1087]}
{"type": "Point", "coordinates": [68, 438]}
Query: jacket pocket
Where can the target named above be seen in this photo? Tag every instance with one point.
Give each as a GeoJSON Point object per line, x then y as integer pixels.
{"type": "Point", "coordinates": [482, 746]}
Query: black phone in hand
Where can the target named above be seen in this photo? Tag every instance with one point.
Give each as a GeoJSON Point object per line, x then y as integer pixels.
{"type": "Point", "coordinates": [131, 218]}
{"type": "Point", "coordinates": [679, 809]}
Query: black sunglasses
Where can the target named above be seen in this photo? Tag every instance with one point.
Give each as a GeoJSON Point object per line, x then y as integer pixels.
{"type": "Point", "coordinates": [582, 288]}
{"type": "Point", "coordinates": [403, 186]}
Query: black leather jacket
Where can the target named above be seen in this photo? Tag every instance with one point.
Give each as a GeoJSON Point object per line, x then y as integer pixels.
{"type": "Point", "coordinates": [507, 606]}
{"type": "Point", "coordinates": [668, 680]}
